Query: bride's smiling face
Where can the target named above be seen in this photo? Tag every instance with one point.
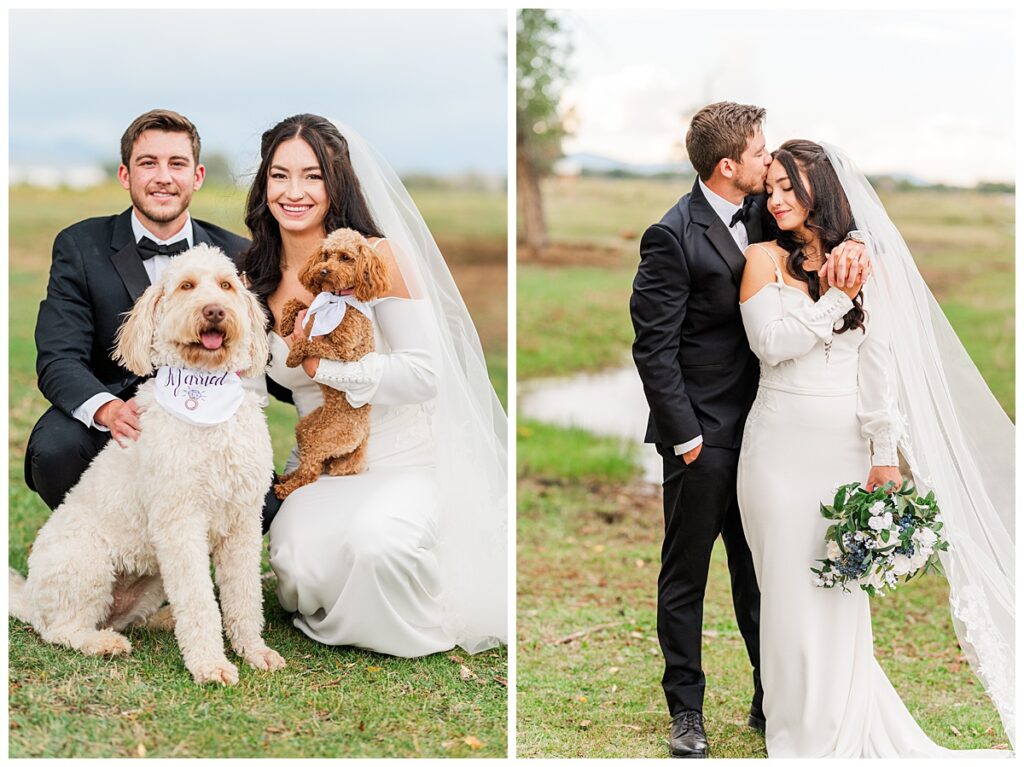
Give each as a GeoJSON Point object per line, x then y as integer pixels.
{"type": "Point", "coordinates": [783, 204]}
{"type": "Point", "coordinates": [296, 193]}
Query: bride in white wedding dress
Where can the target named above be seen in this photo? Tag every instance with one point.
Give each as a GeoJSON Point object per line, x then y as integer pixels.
{"type": "Point", "coordinates": [829, 410]}
{"type": "Point", "coordinates": [409, 557]}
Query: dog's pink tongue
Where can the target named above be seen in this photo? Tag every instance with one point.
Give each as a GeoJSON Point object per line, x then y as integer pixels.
{"type": "Point", "coordinates": [212, 340]}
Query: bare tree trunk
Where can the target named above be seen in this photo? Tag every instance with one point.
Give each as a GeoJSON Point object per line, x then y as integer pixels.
{"type": "Point", "coordinates": [531, 207]}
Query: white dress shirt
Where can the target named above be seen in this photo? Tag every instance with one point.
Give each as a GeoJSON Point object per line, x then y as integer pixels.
{"type": "Point", "coordinates": [725, 210]}
{"type": "Point", "coordinates": [154, 268]}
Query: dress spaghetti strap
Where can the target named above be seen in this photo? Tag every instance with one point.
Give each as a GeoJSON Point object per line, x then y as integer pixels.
{"type": "Point", "coordinates": [775, 263]}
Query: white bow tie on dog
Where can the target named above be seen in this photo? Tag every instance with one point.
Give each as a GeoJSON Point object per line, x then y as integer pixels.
{"type": "Point", "coordinates": [328, 310]}
{"type": "Point", "coordinates": [197, 396]}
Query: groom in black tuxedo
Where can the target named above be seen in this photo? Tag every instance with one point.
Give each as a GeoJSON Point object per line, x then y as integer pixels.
{"type": "Point", "coordinates": [100, 267]}
{"type": "Point", "coordinates": [700, 378]}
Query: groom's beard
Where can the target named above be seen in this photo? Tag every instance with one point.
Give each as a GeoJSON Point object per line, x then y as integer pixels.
{"type": "Point", "coordinates": [750, 186]}
{"type": "Point", "coordinates": [158, 213]}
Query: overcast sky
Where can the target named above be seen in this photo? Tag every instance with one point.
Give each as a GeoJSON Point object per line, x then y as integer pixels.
{"type": "Point", "coordinates": [921, 92]}
{"type": "Point", "coordinates": [427, 88]}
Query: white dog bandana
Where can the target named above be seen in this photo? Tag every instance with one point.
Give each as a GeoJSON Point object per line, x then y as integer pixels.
{"type": "Point", "coordinates": [197, 396]}
{"type": "Point", "coordinates": [328, 310]}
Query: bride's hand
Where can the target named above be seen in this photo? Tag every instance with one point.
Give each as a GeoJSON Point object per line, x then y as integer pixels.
{"type": "Point", "coordinates": [847, 267]}
{"type": "Point", "coordinates": [879, 475]}
{"type": "Point", "coordinates": [298, 332]}
{"type": "Point", "coordinates": [837, 273]}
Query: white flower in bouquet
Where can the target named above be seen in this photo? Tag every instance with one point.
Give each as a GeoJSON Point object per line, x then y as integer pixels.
{"type": "Point", "coordinates": [832, 551]}
{"type": "Point", "coordinates": [876, 579]}
{"type": "Point", "coordinates": [925, 538]}
{"type": "Point", "coordinates": [902, 565]}
{"type": "Point", "coordinates": [919, 559]}
{"type": "Point", "coordinates": [877, 508]}
{"type": "Point", "coordinates": [881, 522]}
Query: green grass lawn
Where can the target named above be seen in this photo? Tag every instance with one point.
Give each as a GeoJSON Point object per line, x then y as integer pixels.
{"type": "Point", "coordinates": [589, 532]}
{"type": "Point", "coordinates": [328, 702]}
{"type": "Point", "coordinates": [588, 662]}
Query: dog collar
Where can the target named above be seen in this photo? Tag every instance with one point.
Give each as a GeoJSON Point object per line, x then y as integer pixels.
{"type": "Point", "coordinates": [328, 310]}
{"type": "Point", "coordinates": [198, 396]}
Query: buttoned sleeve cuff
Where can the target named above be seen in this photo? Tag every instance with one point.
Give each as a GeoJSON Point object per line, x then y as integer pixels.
{"type": "Point", "coordinates": [832, 307]}
{"type": "Point", "coordinates": [358, 380]}
{"type": "Point", "coordinates": [883, 449]}
{"type": "Point", "coordinates": [86, 412]}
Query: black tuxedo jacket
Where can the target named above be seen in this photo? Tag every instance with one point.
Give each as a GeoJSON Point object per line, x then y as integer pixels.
{"type": "Point", "coordinates": [698, 372]}
{"type": "Point", "coordinates": [95, 278]}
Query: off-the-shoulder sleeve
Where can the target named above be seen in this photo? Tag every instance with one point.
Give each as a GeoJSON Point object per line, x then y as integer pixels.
{"type": "Point", "coordinates": [776, 335]}
{"type": "Point", "coordinates": [407, 374]}
{"type": "Point", "coordinates": [877, 408]}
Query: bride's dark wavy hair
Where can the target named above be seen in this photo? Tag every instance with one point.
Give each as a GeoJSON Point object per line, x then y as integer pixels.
{"type": "Point", "coordinates": [346, 205]}
{"type": "Point", "coordinates": [828, 216]}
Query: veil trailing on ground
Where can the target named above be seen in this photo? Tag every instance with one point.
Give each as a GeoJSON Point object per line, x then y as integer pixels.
{"type": "Point", "coordinates": [468, 422]}
{"type": "Point", "coordinates": [958, 442]}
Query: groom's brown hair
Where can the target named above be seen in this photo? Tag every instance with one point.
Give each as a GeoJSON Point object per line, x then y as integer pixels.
{"type": "Point", "coordinates": [718, 131]}
{"type": "Point", "coordinates": [163, 120]}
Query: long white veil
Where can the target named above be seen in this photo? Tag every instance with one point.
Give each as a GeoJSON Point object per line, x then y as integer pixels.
{"type": "Point", "coordinates": [958, 442]}
{"type": "Point", "coordinates": [469, 425]}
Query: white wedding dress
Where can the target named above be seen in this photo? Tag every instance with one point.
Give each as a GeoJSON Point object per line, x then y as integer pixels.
{"type": "Point", "coordinates": [355, 556]}
{"type": "Point", "coordinates": [824, 412]}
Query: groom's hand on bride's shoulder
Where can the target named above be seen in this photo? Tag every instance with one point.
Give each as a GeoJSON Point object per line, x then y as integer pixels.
{"type": "Point", "coordinates": [847, 265]}
{"type": "Point", "coordinates": [122, 418]}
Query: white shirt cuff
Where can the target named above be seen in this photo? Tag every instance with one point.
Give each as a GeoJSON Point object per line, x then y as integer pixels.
{"type": "Point", "coordinates": [87, 410]}
{"type": "Point", "coordinates": [686, 447]}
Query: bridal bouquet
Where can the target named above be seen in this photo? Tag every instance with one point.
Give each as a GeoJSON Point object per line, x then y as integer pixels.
{"type": "Point", "coordinates": [879, 538]}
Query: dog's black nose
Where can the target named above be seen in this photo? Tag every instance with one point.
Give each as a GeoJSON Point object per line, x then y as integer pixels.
{"type": "Point", "coordinates": [213, 313]}
{"type": "Point", "coordinates": [323, 272]}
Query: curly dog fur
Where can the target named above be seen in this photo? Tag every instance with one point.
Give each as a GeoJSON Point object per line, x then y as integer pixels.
{"type": "Point", "coordinates": [144, 520]}
{"type": "Point", "coordinates": [333, 437]}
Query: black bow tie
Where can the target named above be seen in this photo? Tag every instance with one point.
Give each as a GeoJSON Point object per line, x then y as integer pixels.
{"type": "Point", "coordinates": [147, 248]}
{"type": "Point", "coordinates": [741, 214]}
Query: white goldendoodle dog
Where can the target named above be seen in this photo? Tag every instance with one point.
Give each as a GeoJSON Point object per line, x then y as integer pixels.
{"type": "Point", "coordinates": [144, 520]}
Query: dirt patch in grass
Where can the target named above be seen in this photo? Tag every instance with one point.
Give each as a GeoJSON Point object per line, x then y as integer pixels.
{"type": "Point", "coordinates": [465, 250]}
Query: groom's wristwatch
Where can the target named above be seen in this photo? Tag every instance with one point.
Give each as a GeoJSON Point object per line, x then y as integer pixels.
{"type": "Point", "coordinates": [857, 235]}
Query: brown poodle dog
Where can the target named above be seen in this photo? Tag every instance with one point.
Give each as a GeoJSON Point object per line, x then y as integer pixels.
{"type": "Point", "coordinates": [333, 437]}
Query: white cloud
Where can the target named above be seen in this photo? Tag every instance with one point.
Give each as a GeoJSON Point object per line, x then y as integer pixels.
{"type": "Point", "coordinates": [926, 93]}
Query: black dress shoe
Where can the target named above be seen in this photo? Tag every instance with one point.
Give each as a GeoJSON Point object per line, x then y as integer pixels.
{"type": "Point", "coordinates": [687, 739]}
{"type": "Point", "coordinates": [756, 719]}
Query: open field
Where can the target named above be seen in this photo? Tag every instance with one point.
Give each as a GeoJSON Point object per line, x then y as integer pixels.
{"type": "Point", "coordinates": [589, 531]}
{"type": "Point", "coordinates": [328, 702]}
{"type": "Point", "coordinates": [574, 313]}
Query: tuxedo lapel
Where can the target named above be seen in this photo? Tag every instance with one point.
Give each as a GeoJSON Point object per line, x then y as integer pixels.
{"type": "Point", "coordinates": [126, 258]}
{"type": "Point", "coordinates": [200, 235]}
{"type": "Point", "coordinates": [717, 233]}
